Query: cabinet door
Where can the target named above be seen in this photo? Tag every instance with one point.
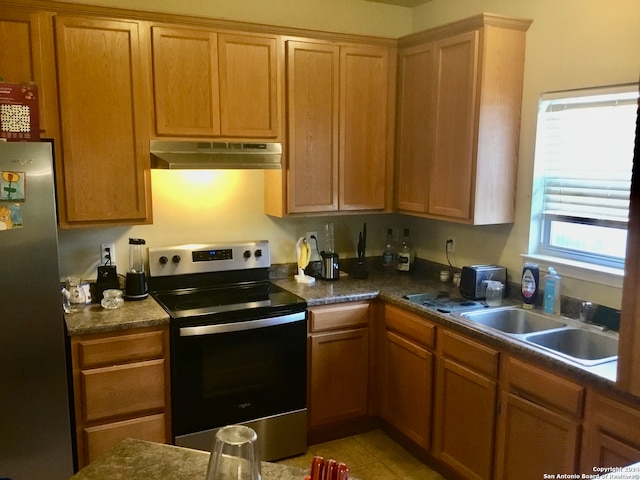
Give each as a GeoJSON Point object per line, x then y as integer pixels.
{"type": "Point", "coordinates": [534, 441]}
{"type": "Point", "coordinates": [312, 106]}
{"type": "Point", "coordinates": [248, 85]}
{"type": "Point", "coordinates": [465, 419]}
{"type": "Point", "coordinates": [25, 56]}
{"type": "Point", "coordinates": [104, 121]}
{"type": "Point", "coordinates": [101, 438]}
{"type": "Point", "coordinates": [185, 82]}
{"type": "Point", "coordinates": [450, 190]}
{"type": "Point", "coordinates": [363, 127]}
{"type": "Point", "coordinates": [612, 433]}
{"type": "Point", "coordinates": [407, 388]}
{"type": "Point", "coordinates": [414, 126]}
{"type": "Point", "coordinates": [339, 376]}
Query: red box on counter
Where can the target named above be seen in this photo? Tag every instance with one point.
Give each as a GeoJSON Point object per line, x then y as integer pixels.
{"type": "Point", "coordinates": [19, 116]}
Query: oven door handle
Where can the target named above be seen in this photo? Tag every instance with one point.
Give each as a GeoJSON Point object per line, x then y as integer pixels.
{"type": "Point", "coordinates": [241, 326]}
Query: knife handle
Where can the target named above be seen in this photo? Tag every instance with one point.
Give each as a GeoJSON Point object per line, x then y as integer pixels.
{"type": "Point", "coordinates": [317, 467]}
{"type": "Point", "coordinates": [343, 472]}
{"type": "Point", "coordinates": [331, 470]}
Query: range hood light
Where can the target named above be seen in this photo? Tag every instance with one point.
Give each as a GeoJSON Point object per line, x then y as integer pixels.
{"type": "Point", "coordinates": [215, 155]}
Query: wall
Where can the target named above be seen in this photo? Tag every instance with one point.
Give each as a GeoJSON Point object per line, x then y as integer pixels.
{"type": "Point", "coordinates": [571, 44]}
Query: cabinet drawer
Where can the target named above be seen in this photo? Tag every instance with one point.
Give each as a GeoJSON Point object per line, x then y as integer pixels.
{"type": "Point", "coordinates": [410, 326]}
{"type": "Point", "coordinates": [340, 316]}
{"type": "Point", "coordinates": [101, 438]}
{"type": "Point", "coordinates": [123, 390]}
{"type": "Point", "coordinates": [618, 418]}
{"type": "Point", "coordinates": [121, 349]}
{"type": "Point", "coordinates": [545, 388]}
{"type": "Point", "coordinates": [472, 354]}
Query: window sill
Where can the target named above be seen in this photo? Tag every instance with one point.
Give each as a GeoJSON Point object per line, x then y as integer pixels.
{"type": "Point", "coordinates": [612, 277]}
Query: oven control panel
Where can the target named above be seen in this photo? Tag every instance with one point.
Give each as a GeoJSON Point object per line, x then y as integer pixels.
{"type": "Point", "coordinates": [203, 258]}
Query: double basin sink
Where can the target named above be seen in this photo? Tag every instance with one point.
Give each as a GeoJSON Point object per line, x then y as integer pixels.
{"type": "Point", "coordinates": [553, 334]}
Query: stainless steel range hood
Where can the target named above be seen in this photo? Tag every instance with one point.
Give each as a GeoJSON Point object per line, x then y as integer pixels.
{"type": "Point", "coordinates": [215, 155]}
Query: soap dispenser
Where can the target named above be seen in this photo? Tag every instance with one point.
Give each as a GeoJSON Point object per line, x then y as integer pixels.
{"type": "Point", "coordinates": [551, 302]}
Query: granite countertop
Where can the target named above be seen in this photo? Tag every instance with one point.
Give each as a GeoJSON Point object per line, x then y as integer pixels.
{"type": "Point", "coordinates": [392, 286]}
{"type": "Point", "coordinates": [133, 314]}
{"type": "Point", "coordinates": [141, 460]}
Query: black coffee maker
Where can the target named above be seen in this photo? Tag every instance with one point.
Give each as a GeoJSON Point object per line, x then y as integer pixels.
{"type": "Point", "coordinates": [136, 287]}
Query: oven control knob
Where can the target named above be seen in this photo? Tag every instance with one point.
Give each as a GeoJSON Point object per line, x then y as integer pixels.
{"type": "Point", "coordinates": [247, 254]}
{"type": "Point", "coordinates": [163, 260]}
{"type": "Point", "coordinates": [258, 253]}
{"type": "Point", "coordinates": [176, 259]}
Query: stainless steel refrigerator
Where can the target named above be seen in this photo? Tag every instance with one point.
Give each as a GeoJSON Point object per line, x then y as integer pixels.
{"type": "Point", "coordinates": [35, 427]}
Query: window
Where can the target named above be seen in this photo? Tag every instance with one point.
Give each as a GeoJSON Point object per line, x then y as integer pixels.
{"type": "Point", "coordinates": [583, 163]}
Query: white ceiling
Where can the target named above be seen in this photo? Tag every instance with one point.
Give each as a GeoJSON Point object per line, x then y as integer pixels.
{"type": "Point", "coordinates": [402, 3]}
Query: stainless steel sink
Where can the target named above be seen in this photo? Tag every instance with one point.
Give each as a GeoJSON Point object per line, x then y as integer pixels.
{"type": "Point", "coordinates": [513, 320]}
{"type": "Point", "coordinates": [558, 336]}
{"type": "Point", "coordinates": [583, 346]}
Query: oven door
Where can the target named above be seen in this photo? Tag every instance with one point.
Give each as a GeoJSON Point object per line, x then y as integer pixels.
{"type": "Point", "coordinates": [237, 372]}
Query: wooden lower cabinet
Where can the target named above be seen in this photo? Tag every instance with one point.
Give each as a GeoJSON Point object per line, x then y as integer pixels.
{"type": "Point", "coordinates": [540, 423]}
{"type": "Point", "coordinates": [465, 405]}
{"type": "Point", "coordinates": [338, 364]}
{"type": "Point", "coordinates": [121, 389]}
{"type": "Point", "coordinates": [407, 374]}
{"type": "Point", "coordinates": [612, 433]}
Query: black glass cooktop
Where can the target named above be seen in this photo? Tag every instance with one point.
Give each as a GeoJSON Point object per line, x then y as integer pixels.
{"type": "Point", "coordinates": [245, 299]}
{"type": "Point", "coordinates": [444, 302]}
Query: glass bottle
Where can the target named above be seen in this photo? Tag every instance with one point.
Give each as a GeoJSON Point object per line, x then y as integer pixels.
{"type": "Point", "coordinates": [389, 254]}
{"type": "Point", "coordinates": [406, 254]}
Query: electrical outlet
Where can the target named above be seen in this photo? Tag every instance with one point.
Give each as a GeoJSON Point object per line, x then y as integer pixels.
{"type": "Point", "coordinates": [312, 233]}
{"type": "Point", "coordinates": [107, 250]}
{"type": "Point", "coordinates": [451, 244]}
{"type": "Point", "coordinates": [315, 254]}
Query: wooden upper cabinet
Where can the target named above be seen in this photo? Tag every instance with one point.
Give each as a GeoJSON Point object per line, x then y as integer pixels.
{"type": "Point", "coordinates": [312, 98]}
{"type": "Point", "coordinates": [26, 55]}
{"type": "Point", "coordinates": [185, 82]}
{"type": "Point", "coordinates": [414, 118]}
{"type": "Point", "coordinates": [459, 116]}
{"type": "Point", "coordinates": [338, 100]}
{"type": "Point", "coordinates": [452, 170]}
{"type": "Point", "coordinates": [248, 85]}
{"type": "Point", "coordinates": [212, 84]}
{"type": "Point", "coordinates": [104, 169]}
{"type": "Point", "coordinates": [363, 127]}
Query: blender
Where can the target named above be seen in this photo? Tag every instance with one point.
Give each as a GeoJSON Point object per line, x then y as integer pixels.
{"type": "Point", "coordinates": [136, 288]}
{"type": "Point", "coordinates": [330, 265]}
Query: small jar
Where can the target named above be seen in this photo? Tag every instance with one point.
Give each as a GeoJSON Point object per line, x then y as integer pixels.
{"type": "Point", "coordinates": [74, 297]}
{"type": "Point", "coordinates": [112, 299]}
{"type": "Point", "coordinates": [444, 276]}
{"type": "Point", "coordinates": [494, 293]}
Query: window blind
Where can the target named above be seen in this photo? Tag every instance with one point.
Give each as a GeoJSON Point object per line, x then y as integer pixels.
{"type": "Point", "coordinates": [586, 143]}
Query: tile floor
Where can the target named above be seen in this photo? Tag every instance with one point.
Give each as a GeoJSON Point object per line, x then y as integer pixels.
{"type": "Point", "coordinates": [370, 456]}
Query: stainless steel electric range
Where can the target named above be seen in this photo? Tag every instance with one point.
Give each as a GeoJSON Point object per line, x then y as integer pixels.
{"type": "Point", "coordinates": [238, 345]}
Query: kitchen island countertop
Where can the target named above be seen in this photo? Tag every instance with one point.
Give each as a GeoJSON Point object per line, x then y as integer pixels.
{"type": "Point", "coordinates": [141, 460]}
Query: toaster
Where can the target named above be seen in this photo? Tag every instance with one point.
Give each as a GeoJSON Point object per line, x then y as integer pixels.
{"type": "Point", "coordinates": [471, 285]}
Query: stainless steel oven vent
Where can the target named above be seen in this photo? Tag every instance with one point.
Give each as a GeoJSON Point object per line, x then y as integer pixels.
{"type": "Point", "coordinates": [215, 155]}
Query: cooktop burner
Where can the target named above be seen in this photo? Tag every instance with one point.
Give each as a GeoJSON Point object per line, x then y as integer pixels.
{"type": "Point", "coordinates": [443, 302]}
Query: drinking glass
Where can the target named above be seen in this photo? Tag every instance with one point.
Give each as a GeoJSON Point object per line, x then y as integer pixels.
{"type": "Point", "coordinates": [234, 455]}
{"type": "Point", "coordinates": [74, 297]}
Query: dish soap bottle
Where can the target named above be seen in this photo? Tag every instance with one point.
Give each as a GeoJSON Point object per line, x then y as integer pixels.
{"type": "Point", "coordinates": [530, 281]}
{"type": "Point", "coordinates": [551, 301]}
{"type": "Point", "coordinates": [388, 255]}
{"type": "Point", "coordinates": [405, 254]}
